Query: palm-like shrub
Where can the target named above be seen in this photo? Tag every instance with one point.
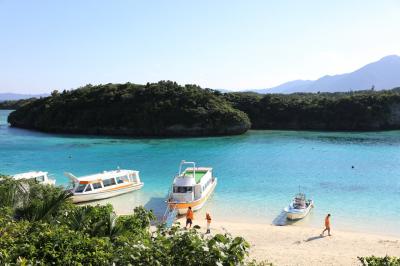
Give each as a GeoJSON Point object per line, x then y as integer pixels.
{"type": "Point", "coordinates": [39, 225]}
{"type": "Point", "coordinates": [30, 200]}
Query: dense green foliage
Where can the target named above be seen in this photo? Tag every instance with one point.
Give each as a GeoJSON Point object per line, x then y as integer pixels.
{"type": "Point", "coordinates": [167, 109]}
{"type": "Point", "coordinates": [65, 234]}
{"type": "Point", "coordinates": [13, 105]}
{"type": "Point", "coordinates": [379, 261]}
{"type": "Point", "coordinates": [361, 110]}
{"type": "Point", "coordinates": [158, 109]}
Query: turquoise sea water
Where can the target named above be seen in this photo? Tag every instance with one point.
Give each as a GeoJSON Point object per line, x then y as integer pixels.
{"type": "Point", "coordinates": [258, 172]}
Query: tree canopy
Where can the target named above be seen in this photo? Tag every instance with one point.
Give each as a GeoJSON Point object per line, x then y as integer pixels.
{"type": "Point", "coordinates": [361, 110]}
{"type": "Point", "coordinates": [155, 109]}
{"type": "Point", "coordinates": [168, 109]}
{"type": "Point", "coordinates": [14, 104]}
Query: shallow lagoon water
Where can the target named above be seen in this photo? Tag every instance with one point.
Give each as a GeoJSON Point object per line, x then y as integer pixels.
{"type": "Point", "coordinates": [258, 172]}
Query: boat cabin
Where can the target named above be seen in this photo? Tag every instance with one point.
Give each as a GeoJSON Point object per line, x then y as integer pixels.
{"type": "Point", "coordinates": [299, 201]}
{"type": "Point", "coordinates": [104, 185]}
{"type": "Point", "coordinates": [191, 183]}
{"type": "Point", "coordinates": [104, 180]}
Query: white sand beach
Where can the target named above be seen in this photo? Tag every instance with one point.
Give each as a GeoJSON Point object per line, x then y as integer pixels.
{"type": "Point", "coordinates": [294, 245]}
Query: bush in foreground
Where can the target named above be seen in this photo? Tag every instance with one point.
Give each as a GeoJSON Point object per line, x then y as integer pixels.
{"type": "Point", "coordinates": [63, 233]}
{"type": "Point", "coordinates": [379, 261]}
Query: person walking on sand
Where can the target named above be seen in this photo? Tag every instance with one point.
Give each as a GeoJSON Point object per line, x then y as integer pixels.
{"type": "Point", "coordinates": [208, 218]}
{"type": "Point", "coordinates": [327, 225]}
{"type": "Point", "coordinates": [189, 217]}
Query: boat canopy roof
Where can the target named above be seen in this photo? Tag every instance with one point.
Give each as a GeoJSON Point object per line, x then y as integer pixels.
{"type": "Point", "coordinates": [31, 174]}
{"type": "Point", "coordinates": [197, 173]}
{"type": "Point", "coordinates": [184, 182]}
{"type": "Point", "coordinates": [106, 175]}
{"type": "Point", "coordinates": [191, 176]}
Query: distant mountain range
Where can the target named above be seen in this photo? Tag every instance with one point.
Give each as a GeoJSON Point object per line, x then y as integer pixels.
{"type": "Point", "coordinates": [15, 96]}
{"type": "Point", "coordinates": [382, 74]}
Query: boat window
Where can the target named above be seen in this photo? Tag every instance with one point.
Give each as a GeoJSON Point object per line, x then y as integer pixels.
{"type": "Point", "coordinates": [182, 189]}
{"type": "Point", "coordinates": [80, 188]}
{"type": "Point", "coordinates": [108, 182]}
{"type": "Point", "coordinates": [125, 178]}
{"type": "Point", "coordinates": [88, 188]}
{"type": "Point", "coordinates": [96, 185]}
{"type": "Point", "coordinates": [40, 178]}
{"type": "Point", "coordinates": [121, 179]}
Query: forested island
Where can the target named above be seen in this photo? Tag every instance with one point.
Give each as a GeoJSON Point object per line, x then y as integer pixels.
{"type": "Point", "coordinates": [361, 110]}
{"type": "Point", "coordinates": [155, 109]}
{"type": "Point", "coordinates": [14, 104]}
{"type": "Point", "coordinates": [166, 109]}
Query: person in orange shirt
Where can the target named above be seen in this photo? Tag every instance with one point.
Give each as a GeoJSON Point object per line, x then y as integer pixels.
{"type": "Point", "coordinates": [327, 225]}
{"type": "Point", "coordinates": [189, 217]}
{"type": "Point", "coordinates": [208, 218]}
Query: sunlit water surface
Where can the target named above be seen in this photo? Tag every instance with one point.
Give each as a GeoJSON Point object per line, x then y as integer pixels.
{"type": "Point", "coordinates": [258, 172]}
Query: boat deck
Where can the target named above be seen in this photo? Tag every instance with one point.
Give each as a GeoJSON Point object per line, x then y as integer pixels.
{"type": "Point", "coordinates": [198, 175]}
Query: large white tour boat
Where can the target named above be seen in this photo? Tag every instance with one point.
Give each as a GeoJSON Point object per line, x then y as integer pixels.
{"type": "Point", "coordinates": [39, 176]}
{"type": "Point", "coordinates": [104, 185]}
{"type": "Point", "coordinates": [191, 188]}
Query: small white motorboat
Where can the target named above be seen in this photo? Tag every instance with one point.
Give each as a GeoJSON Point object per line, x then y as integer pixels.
{"type": "Point", "coordinates": [104, 185]}
{"type": "Point", "coordinates": [39, 176]}
{"type": "Point", "coordinates": [299, 207]}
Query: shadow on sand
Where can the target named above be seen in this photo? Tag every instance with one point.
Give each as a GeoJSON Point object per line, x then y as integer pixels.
{"type": "Point", "coordinates": [313, 238]}
{"type": "Point", "coordinates": [158, 206]}
{"type": "Point", "coordinates": [280, 220]}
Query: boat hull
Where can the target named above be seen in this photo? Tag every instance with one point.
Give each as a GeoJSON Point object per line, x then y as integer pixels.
{"type": "Point", "coordinates": [78, 197]}
{"type": "Point", "coordinates": [298, 214]}
{"type": "Point", "coordinates": [195, 205]}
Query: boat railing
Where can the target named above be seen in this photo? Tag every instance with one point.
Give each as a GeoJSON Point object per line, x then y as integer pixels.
{"type": "Point", "coordinates": [170, 215]}
{"type": "Point", "coordinates": [183, 162]}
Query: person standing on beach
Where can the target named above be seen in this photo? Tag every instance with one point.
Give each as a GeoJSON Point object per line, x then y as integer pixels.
{"type": "Point", "coordinates": [208, 218]}
{"type": "Point", "coordinates": [327, 225]}
{"type": "Point", "coordinates": [189, 217]}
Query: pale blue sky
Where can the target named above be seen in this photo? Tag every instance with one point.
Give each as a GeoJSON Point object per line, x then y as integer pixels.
{"type": "Point", "coordinates": [46, 45]}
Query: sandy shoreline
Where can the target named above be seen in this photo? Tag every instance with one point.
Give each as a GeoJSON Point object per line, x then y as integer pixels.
{"type": "Point", "coordinates": [294, 245]}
